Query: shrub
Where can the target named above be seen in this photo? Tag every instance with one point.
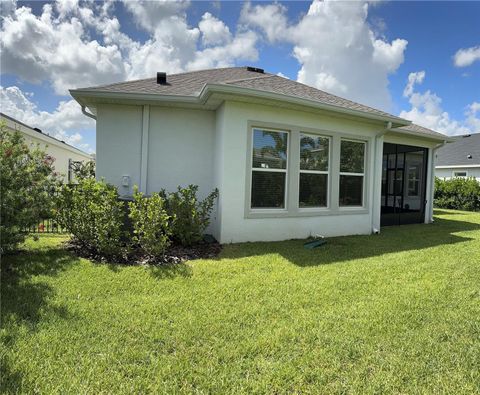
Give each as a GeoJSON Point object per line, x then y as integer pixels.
{"type": "Point", "coordinates": [27, 179]}
{"type": "Point", "coordinates": [458, 194]}
{"type": "Point", "coordinates": [84, 169]}
{"type": "Point", "coordinates": [150, 223]}
{"type": "Point", "coordinates": [92, 213]}
{"type": "Point", "coordinates": [189, 216]}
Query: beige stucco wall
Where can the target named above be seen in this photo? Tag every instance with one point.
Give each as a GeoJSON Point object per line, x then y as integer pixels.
{"type": "Point", "coordinates": [159, 147]}
{"type": "Point", "coordinates": [447, 173]}
{"type": "Point", "coordinates": [180, 149]}
{"type": "Point", "coordinates": [58, 150]}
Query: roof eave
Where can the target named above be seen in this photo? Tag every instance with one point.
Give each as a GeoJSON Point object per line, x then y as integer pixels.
{"type": "Point", "coordinates": [82, 95]}
{"type": "Point", "coordinates": [221, 88]}
{"type": "Point", "coordinates": [442, 138]}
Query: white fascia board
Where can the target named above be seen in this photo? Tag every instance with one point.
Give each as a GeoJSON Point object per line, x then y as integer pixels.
{"type": "Point", "coordinates": [457, 167]}
{"type": "Point", "coordinates": [221, 88]}
{"type": "Point", "coordinates": [82, 96]}
{"type": "Point", "coordinates": [398, 132]}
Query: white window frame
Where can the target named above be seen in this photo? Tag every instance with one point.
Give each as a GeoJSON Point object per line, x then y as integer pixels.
{"type": "Point", "coordinates": [414, 180]}
{"type": "Point", "coordinates": [460, 171]}
{"type": "Point", "coordinates": [343, 173]}
{"type": "Point", "coordinates": [327, 172]}
{"type": "Point", "coordinates": [268, 170]}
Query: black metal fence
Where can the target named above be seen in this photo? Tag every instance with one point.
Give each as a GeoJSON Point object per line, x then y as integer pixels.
{"type": "Point", "coordinates": [46, 223]}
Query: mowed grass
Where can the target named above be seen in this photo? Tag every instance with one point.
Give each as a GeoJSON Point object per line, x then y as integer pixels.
{"type": "Point", "coordinates": [397, 312]}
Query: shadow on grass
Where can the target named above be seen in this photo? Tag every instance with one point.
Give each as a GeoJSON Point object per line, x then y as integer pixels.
{"type": "Point", "coordinates": [340, 249]}
{"type": "Point", "coordinates": [25, 301]}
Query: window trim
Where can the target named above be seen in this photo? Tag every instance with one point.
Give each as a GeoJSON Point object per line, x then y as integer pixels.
{"type": "Point", "coordinates": [327, 172]}
{"type": "Point", "coordinates": [344, 173]}
{"type": "Point", "coordinates": [292, 211]}
{"type": "Point", "coordinates": [268, 170]}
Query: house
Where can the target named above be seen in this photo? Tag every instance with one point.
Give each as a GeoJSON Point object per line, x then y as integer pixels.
{"type": "Point", "coordinates": [289, 160]}
{"type": "Point", "coordinates": [65, 155]}
{"type": "Point", "coordinates": [460, 158]}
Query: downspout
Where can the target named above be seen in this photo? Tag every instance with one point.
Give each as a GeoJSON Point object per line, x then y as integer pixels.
{"type": "Point", "coordinates": [432, 182]}
{"type": "Point", "coordinates": [377, 175]}
{"type": "Point", "coordinates": [85, 112]}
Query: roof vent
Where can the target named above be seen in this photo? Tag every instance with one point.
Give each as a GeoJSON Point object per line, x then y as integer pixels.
{"type": "Point", "coordinates": [38, 130]}
{"type": "Point", "coordinates": [162, 78]}
{"type": "Point", "coordinates": [255, 70]}
{"type": "Point", "coordinates": [469, 156]}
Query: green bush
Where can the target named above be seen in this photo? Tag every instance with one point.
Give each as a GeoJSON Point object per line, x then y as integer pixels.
{"type": "Point", "coordinates": [458, 194]}
{"type": "Point", "coordinates": [189, 216]}
{"type": "Point", "coordinates": [92, 212]}
{"type": "Point", "coordinates": [150, 223]}
{"type": "Point", "coordinates": [84, 169]}
{"type": "Point", "coordinates": [27, 179]}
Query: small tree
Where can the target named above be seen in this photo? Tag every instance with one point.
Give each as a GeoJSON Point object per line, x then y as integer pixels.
{"type": "Point", "coordinates": [27, 179]}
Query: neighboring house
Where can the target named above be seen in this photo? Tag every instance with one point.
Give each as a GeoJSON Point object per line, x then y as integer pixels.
{"type": "Point", "coordinates": [289, 160]}
{"type": "Point", "coordinates": [63, 153]}
{"type": "Point", "coordinates": [460, 158]}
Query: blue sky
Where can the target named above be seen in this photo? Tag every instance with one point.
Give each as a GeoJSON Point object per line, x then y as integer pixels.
{"type": "Point", "coordinates": [363, 51]}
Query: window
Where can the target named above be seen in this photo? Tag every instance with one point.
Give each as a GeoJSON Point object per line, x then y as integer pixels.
{"type": "Point", "coordinates": [413, 181]}
{"type": "Point", "coordinates": [314, 157]}
{"type": "Point", "coordinates": [460, 174]}
{"type": "Point", "coordinates": [269, 169]}
{"type": "Point", "coordinates": [352, 173]}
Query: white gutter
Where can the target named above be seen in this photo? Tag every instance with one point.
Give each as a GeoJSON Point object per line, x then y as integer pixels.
{"type": "Point", "coordinates": [88, 114]}
{"type": "Point", "coordinates": [221, 88]}
{"type": "Point", "coordinates": [457, 167]}
{"type": "Point", "coordinates": [209, 89]}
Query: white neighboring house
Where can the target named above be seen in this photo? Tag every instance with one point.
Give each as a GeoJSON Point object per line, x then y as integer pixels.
{"type": "Point", "coordinates": [63, 153]}
{"type": "Point", "coordinates": [289, 160]}
{"type": "Point", "coordinates": [460, 158]}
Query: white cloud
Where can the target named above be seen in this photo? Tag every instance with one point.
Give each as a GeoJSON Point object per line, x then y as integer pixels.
{"type": "Point", "coordinates": [473, 117]}
{"type": "Point", "coordinates": [65, 123]}
{"type": "Point", "coordinates": [214, 31]}
{"type": "Point", "coordinates": [55, 49]}
{"type": "Point", "coordinates": [56, 46]}
{"type": "Point", "coordinates": [271, 19]}
{"type": "Point", "coordinates": [426, 110]}
{"type": "Point", "coordinates": [337, 50]}
{"type": "Point", "coordinates": [466, 56]}
{"type": "Point", "coordinates": [413, 78]}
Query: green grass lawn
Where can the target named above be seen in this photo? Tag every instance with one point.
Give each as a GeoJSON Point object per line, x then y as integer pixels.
{"type": "Point", "coordinates": [397, 312]}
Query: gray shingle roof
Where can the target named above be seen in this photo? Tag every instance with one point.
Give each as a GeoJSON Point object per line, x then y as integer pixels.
{"type": "Point", "coordinates": [456, 153]}
{"type": "Point", "coordinates": [417, 129]}
{"type": "Point", "coordinates": [190, 84]}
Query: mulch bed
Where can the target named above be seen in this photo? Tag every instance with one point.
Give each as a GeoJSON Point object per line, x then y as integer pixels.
{"type": "Point", "coordinates": [175, 254]}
